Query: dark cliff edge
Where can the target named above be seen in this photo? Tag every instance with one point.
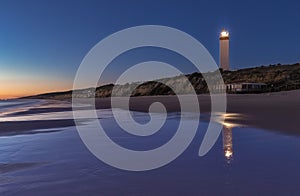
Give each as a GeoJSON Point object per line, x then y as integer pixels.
{"type": "Point", "coordinates": [277, 77]}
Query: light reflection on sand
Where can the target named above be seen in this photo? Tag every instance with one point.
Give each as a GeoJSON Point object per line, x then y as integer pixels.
{"type": "Point", "coordinates": [230, 119]}
{"type": "Point", "coordinates": [227, 143]}
{"type": "Point", "coordinates": [67, 166]}
{"type": "Point", "coordinates": [106, 113]}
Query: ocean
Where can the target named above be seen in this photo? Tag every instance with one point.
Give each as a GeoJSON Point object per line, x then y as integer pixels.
{"type": "Point", "coordinates": [17, 103]}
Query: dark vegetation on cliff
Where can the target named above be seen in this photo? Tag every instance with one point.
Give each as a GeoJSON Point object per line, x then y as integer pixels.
{"type": "Point", "coordinates": [277, 77]}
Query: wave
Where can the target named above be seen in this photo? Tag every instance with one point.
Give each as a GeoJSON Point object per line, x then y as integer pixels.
{"type": "Point", "coordinates": [14, 104]}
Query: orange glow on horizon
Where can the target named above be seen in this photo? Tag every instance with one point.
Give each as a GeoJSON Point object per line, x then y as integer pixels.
{"type": "Point", "coordinates": [16, 89]}
{"type": "Point", "coordinates": [19, 80]}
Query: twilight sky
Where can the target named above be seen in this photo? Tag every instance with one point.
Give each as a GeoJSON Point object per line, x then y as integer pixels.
{"type": "Point", "coordinates": [43, 42]}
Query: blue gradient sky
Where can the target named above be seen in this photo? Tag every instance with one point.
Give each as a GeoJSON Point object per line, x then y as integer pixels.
{"type": "Point", "coordinates": [43, 42]}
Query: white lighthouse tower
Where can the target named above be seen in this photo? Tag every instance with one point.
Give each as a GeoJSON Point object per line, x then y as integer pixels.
{"type": "Point", "coordinates": [224, 50]}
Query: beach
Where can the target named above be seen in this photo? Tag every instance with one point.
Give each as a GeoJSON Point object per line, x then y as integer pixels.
{"type": "Point", "coordinates": [278, 111]}
{"type": "Point", "coordinates": [272, 111]}
{"type": "Point", "coordinates": [42, 152]}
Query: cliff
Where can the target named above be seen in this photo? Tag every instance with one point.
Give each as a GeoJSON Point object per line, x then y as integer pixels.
{"type": "Point", "coordinates": [277, 77]}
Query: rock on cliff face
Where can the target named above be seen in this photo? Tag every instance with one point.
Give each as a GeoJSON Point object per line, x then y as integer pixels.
{"type": "Point", "coordinates": [104, 91]}
{"type": "Point", "coordinates": [277, 77]}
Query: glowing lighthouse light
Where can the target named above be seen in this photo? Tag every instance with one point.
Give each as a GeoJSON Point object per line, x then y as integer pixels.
{"type": "Point", "coordinates": [224, 33]}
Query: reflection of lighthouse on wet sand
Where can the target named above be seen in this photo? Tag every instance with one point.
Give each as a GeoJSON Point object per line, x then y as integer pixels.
{"type": "Point", "coordinates": [227, 142]}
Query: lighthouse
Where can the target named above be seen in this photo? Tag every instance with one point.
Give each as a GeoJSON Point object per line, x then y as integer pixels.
{"type": "Point", "coordinates": [224, 50]}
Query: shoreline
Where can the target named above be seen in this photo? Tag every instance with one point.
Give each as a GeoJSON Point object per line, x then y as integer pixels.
{"type": "Point", "coordinates": [278, 111]}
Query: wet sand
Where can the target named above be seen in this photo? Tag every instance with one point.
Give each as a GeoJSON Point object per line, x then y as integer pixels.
{"type": "Point", "coordinates": [11, 167]}
{"type": "Point", "coordinates": [28, 127]}
{"type": "Point", "coordinates": [273, 111]}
